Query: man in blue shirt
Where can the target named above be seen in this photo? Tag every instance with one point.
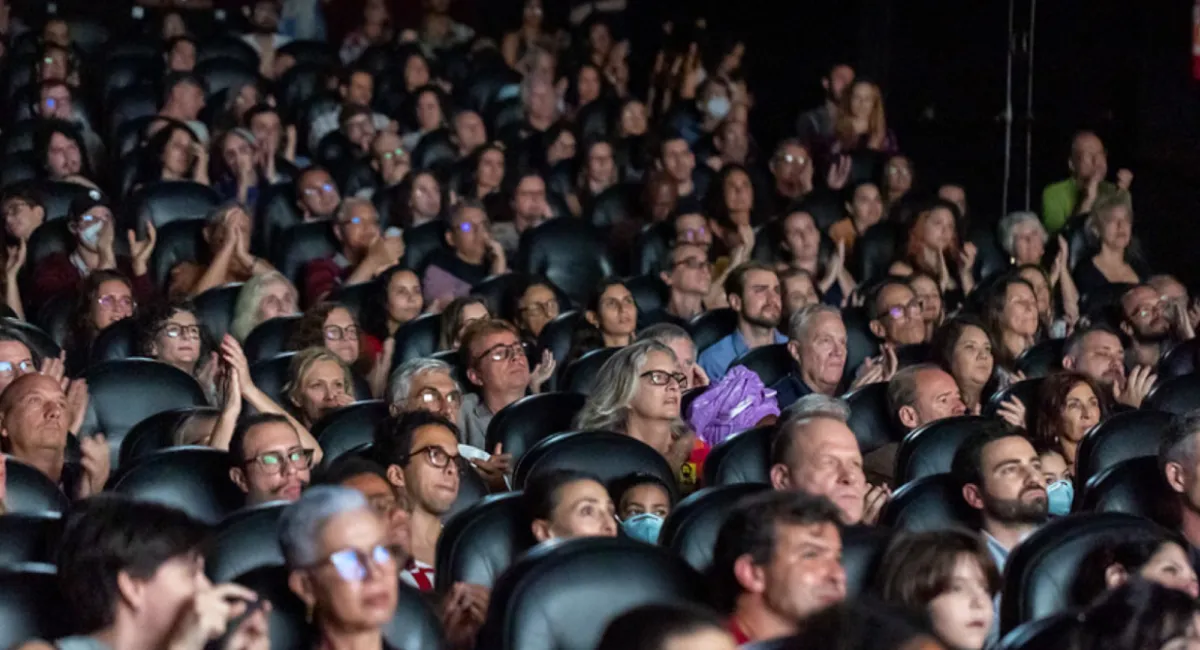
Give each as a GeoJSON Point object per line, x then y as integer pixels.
{"type": "Point", "coordinates": [753, 292]}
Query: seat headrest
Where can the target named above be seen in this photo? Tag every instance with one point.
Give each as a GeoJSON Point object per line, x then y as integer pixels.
{"type": "Point", "coordinates": [711, 326]}
{"type": "Point", "coordinates": [482, 541]}
{"type": "Point", "coordinates": [178, 241]}
{"type": "Point", "coordinates": [417, 338]}
{"type": "Point", "coordinates": [580, 375]}
{"type": "Point", "coordinates": [30, 605]}
{"type": "Point", "coordinates": [127, 391]}
{"type": "Point", "coordinates": [870, 420]}
{"type": "Point", "coordinates": [862, 552]}
{"type": "Point", "coordinates": [930, 503]}
{"type": "Point", "coordinates": [117, 341]}
{"type": "Point", "coordinates": [1135, 486]}
{"type": "Point", "coordinates": [526, 422]}
{"type": "Point", "coordinates": [770, 362]}
{"type": "Point", "coordinates": [214, 309]}
{"type": "Point", "coordinates": [156, 432]}
{"type": "Point", "coordinates": [930, 449]}
{"type": "Point", "coordinates": [560, 596]}
{"type": "Point", "coordinates": [690, 531]}
{"type": "Point", "coordinates": [1122, 436]}
{"type": "Point", "coordinates": [193, 479]}
{"type": "Point", "coordinates": [349, 427]}
{"type": "Point", "coordinates": [269, 338]}
{"type": "Point", "coordinates": [245, 540]}
{"type": "Point", "coordinates": [29, 537]}
{"type": "Point", "coordinates": [744, 458]}
{"type": "Point", "coordinates": [1178, 395]}
{"type": "Point", "coordinates": [606, 454]}
{"type": "Point", "coordinates": [565, 251]}
{"type": "Point", "coordinates": [1040, 571]}
{"type": "Point", "coordinates": [31, 491]}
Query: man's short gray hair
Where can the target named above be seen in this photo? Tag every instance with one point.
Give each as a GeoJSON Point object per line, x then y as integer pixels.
{"type": "Point", "coordinates": [816, 405]}
{"type": "Point", "coordinates": [806, 317]}
{"type": "Point", "coordinates": [1008, 226]}
{"type": "Point", "coordinates": [401, 381]}
{"type": "Point", "coordinates": [1179, 442]}
{"type": "Point", "coordinates": [349, 203]}
{"type": "Point", "coordinates": [663, 333]}
{"type": "Point", "coordinates": [301, 523]}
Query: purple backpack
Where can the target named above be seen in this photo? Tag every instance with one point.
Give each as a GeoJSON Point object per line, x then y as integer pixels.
{"type": "Point", "coordinates": [739, 401]}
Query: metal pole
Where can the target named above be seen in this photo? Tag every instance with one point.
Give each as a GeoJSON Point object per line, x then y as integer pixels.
{"type": "Point", "coordinates": [1008, 110]}
{"type": "Point", "coordinates": [1029, 107]}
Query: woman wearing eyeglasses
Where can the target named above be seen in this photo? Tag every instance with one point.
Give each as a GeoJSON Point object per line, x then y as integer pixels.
{"type": "Point", "coordinates": [329, 325]}
{"type": "Point", "coordinates": [638, 394]}
{"type": "Point", "coordinates": [105, 298]}
{"type": "Point", "coordinates": [532, 306]}
{"type": "Point", "coordinates": [341, 567]}
{"type": "Point", "coordinates": [170, 332]}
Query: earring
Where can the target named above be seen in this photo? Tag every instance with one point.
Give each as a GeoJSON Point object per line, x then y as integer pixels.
{"type": "Point", "coordinates": [308, 614]}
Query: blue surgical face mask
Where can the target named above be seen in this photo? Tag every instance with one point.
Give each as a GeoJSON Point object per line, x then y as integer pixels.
{"type": "Point", "coordinates": [718, 107]}
{"type": "Point", "coordinates": [1060, 495]}
{"type": "Point", "coordinates": [644, 527]}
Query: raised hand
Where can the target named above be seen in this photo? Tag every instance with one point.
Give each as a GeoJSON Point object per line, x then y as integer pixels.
{"type": "Point", "coordinates": [208, 615]}
{"type": "Point", "coordinates": [874, 500]}
{"type": "Point", "coordinates": [141, 250]}
{"type": "Point", "coordinates": [77, 403]}
{"type": "Point", "coordinates": [1141, 379]}
{"type": "Point", "coordinates": [1124, 179]}
{"type": "Point", "coordinates": [16, 260]}
{"type": "Point", "coordinates": [55, 367]}
{"type": "Point", "coordinates": [494, 468]}
{"type": "Point", "coordinates": [542, 371]}
{"type": "Point", "coordinates": [1012, 411]}
{"type": "Point", "coordinates": [95, 459]}
{"type": "Point", "coordinates": [839, 173]}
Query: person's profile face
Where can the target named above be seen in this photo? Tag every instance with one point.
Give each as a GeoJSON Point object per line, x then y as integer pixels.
{"type": "Point", "coordinates": [584, 510]}
{"type": "Point", "coordinates": [962, 614]}
{"type": "Point", "coordinates": [805, 573]}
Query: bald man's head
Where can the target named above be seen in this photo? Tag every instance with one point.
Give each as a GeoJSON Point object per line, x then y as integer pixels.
{"type": "Point", "coordinates": [33, 422]}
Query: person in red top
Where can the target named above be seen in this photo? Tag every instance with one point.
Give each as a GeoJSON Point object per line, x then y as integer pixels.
{"type": "Point", "coordinates": [365, 253]}
{"type": "Point", "coordinates": [90, 220]}
{"type": "Point", "coordinates": [777, 561]}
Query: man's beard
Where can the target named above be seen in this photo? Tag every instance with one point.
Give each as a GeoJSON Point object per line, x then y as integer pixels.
{"type": "Point", "coordinates": [1015, 511]}
{"type": "Point", "coordinates": [761, 321]}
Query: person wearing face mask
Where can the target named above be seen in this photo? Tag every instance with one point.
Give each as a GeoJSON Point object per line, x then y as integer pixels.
{"type": "Point", "coordinates": [643, 501]}
{"type": "Point", "coordinates": [90, 220]}
{"type": "Point", "coordinates": [567, 504]}
{"type": "Point", "coordinates": [1068, 405]}
{"type": "Point", "coordinates": [950, 575]}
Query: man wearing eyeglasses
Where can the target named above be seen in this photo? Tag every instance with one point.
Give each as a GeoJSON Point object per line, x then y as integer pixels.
{"type": "Point", "coordinates": [23, 212]}
{"type": "Point", "coordinates": [1153, 324]}
{"type": "Point", "coordinates": [365, 253]}
{"type": "Point", "coordinates": [688, 274]}
{"type": "Point", "coordinates": [34, 423]}
{"type": "Point", "coordinates": [895, 314]}
{"type": "Point", "coordinates": [530, 208]}
{"type": "Point", "coordinates": [317, 196]}
{"type": "Point", "coordinates": [496, 362]}
{"type": "Point", "coordinates": [268, 461]}
{"type": "Point", "coordinates": [390, 160]}
{"type": "Point", "coordinates": [473, 255]}
{"type": "Point", "coordinates": [420, 452]}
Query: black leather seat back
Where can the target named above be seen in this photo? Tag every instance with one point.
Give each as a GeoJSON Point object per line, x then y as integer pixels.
{"type": "Point", "coordinates": [580, 376]}
{"type": "Point", "coordinates": [930, 449]}
{"type": "Point", "coordinates": [214, 309]}
{"type": "Point", "coordinates": [49, 238]}
{"type": "Point", "coordinates": [29, 537]}
{"type": "Point", "coordinates": [127, 391]}
{"type": "Point", "coordinates": [690, 531]}
{"type": "Point", "coordinates": [565, 251]}
{"type": "Point", "coordinates": [223, 74]}
{"type": "Point", "coordinates": [1042, 358]}
{"type": "Point", "coordinates": [743, 458]}
{"type": "Point", "coordinates": [1040, 571]}
{"type": "Point", "coordinates": [1178, 395]}
{"type": "Point", "coordinates": [1027, 391]}
{"type": "Point", "coordinates": [42, 344]}
{"type": "Point", "coordinates": [277, 211]}
{"type": "Point", "coordinates": [422, 242]}
{"type": "Point", "coordinates": [349, 427]}
{"type": "Point", "coordinates": [860, 342]}
{"type": "Point", "coordinates": [30, 605]}
{"type": "Point", "coordinates": [1056, 631]}
{"type": "Point", "coordinates": [606, 454]}
{"type": "Point", "coordinates": [178, 241]}
{"type": "Point", "coordinates": [244, 541]}
{"type": "Point", "coordinates": [414, 626]}
{"type": "Point", "coordinates": [163, 202]}
{"type": "Point", "coordinates": [556, 335]}
{"type": "Point", "coordinates": [31, 491]}
{"type": "Point", "coordinates": [531, 419]}
{"type": "Point", "coordinates": [870, 421]}
{"type": "Point", "coordinates": [481, 542]}
{"type": "Point", "coordinates": [1179, 360]}
{"type": "Point", "coordinates": [770, 362]}
{"type": "Point", "coordinates": [650, 293]}
{"type": "Point", "coordinates": [157, 432]}
{"type": "Point", "coordinates": [226, 46]}
{"type": "Point", "coordinates": [874, 252]}
{"type": "Point", "coordinates": [115, 342]}
{"type": "Point", "coordinates": [1124, 435]}
{"type": "Point", "coordinates": [193, 479]}
{"type": "Point", "coordinates": [561, 597]}
{"type": "Point", "coordinates": [417, 338]}
{"type": "Point", "coordinates": [269, 338]}
{"type": "Point", "coordinates": [862, 553]}
{"type": "Point", "coordinates": [1134, 486]}
{"type": "Point", "coordinates": [930, 503]}
{"type": "Point", "coordinates": [300, 245]}
{"type": "Point", "coordinates": [711, 326]}
{"type": "Point", "coordinates": [355, 296]}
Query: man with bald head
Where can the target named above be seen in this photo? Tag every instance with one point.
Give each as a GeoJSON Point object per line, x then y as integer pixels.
{"type": "Point", "coordinates": [815, 451]}
{"type": "Point", "coordinates": [34, 424]}
{"type": "Point", "coordinates": [1077, 194]}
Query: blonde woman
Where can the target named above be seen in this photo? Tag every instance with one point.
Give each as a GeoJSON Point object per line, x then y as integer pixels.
{"type": "Point", "coordinates": [262, 298]}
{"type": "Point", "coordinates": [638, 393]}
{"type": "Point", "coordinates": [861, 122]}
{"type": "Point", "coordinates": [318, 382]}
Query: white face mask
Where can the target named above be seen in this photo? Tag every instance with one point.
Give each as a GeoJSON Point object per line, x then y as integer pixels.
{"type": "Point", "coordinates": [718, 107]}
{"type": "Point", "coordinates": [91, 235]}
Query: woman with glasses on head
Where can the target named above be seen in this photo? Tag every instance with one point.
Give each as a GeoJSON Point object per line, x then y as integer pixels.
{"type": "Point", "coordinates": [329, 325]}
{"type": "Point", "coordinates": [638, 393]}
{"type": "Point", "coordinates": [342, 567]}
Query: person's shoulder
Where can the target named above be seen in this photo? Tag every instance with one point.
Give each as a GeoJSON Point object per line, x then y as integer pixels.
{"type": "Point", "coordinates": [1065, 186]}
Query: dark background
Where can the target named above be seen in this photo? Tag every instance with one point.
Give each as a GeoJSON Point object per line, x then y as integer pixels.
{"type": "Point", "coordinates": [1120, 67]}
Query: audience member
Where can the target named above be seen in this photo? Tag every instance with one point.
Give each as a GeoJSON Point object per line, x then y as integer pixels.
{"type": "Point", "coordinates": [1078, 194]}
{"type": "Point", "coordinates": [365, 252]}
{"type": "Point", "coordinates": [1069, 404]}
{"type": "Point", "coordinates": [753, 292]}
{"type": "Point", "coordinates": [1162, 560]}
{"type": "Point", "coordinates": [1152, 324]}
{"type": "Point", "coordinates": [1179, 461]}
{"type": "Point", "coordinates": [473, 256]}
{"type": "Point", "coordinates": [895, 314]}
{"type": "Point", "coordinates": [643, 502]}
{"type": "Point", "coordinates": [269, 460]}
{"type": "Point", "coordinates": [565, 504]}
{"type": "Point", "coordinates": [260, 299]}
{"type": "Point", "coordinates": [1097, 353]}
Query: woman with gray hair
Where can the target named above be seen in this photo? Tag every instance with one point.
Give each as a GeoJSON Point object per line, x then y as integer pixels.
{"type": "Point", "coordinates": [340, 566]}
{"type": "Point", "coordinates": [639, 391]}
{"type": "Point", "coordinates": [262, 298]}
{"type": "Point", "coordinates": [1023, 238]}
